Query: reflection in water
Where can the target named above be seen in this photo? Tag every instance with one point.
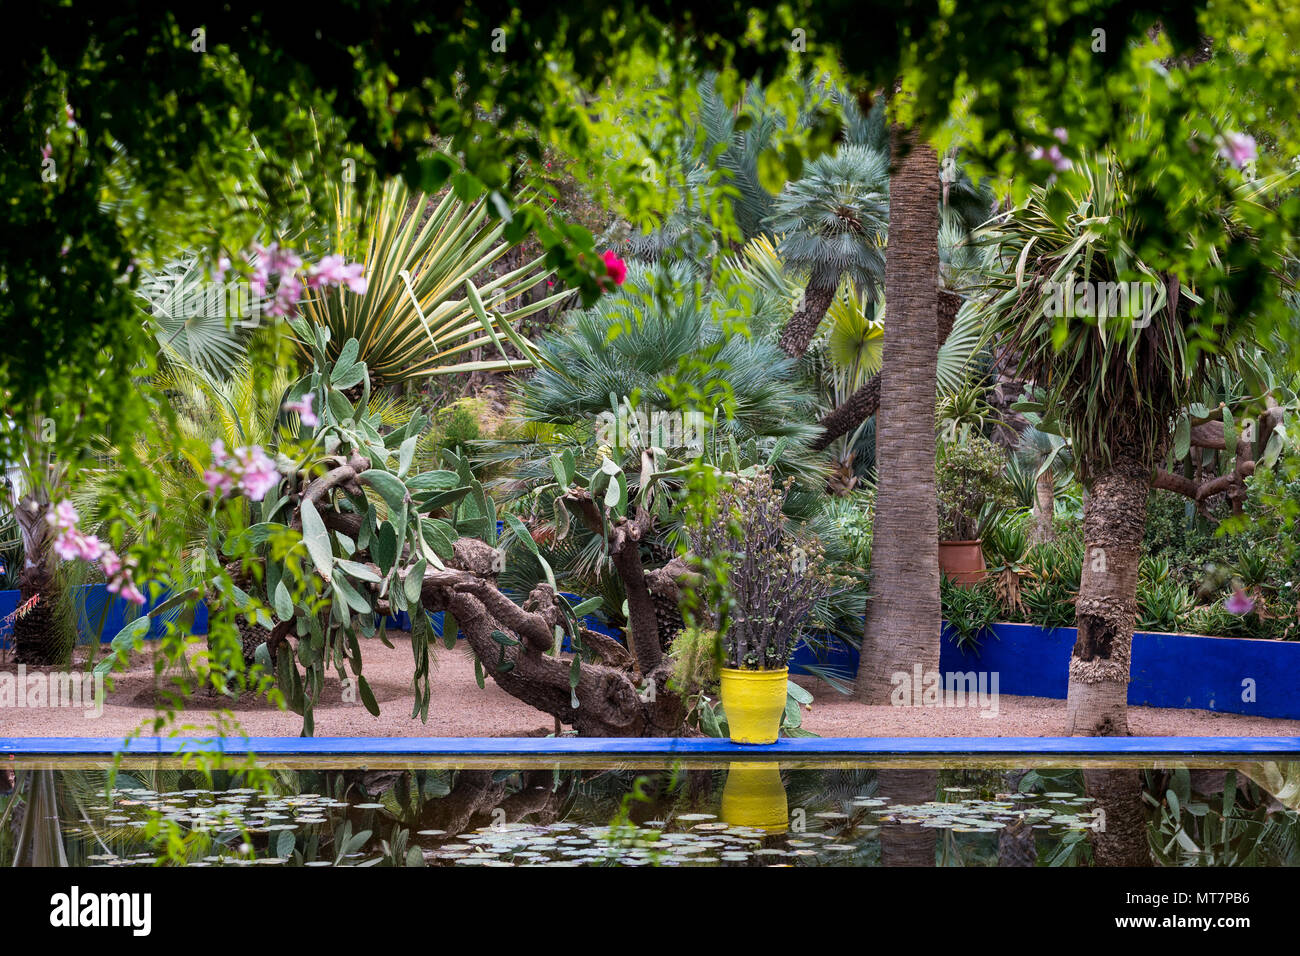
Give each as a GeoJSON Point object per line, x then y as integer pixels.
{"type": "Point", "coordinates": [747, 814]}
{"type": "Point", "coordinates": [754, 796]}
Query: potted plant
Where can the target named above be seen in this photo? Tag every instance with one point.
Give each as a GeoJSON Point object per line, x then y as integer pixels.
{"type": "Point", "coordinates": [972, 491]}
{"type": "Point", "coordinates": [774, 577]}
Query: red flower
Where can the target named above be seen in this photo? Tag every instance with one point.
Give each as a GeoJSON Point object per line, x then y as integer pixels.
{"type": "Point", "coordinates": [615, 266]}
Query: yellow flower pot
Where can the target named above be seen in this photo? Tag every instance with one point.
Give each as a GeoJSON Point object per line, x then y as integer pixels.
{"type": "Point", "coordinates": [754, 702]}
{"type": "Point", "coordinates": [754, 796]}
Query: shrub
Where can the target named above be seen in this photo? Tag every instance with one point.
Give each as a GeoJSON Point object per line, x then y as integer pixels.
{"type": "Point", "coordinates": [774, 577]}
{"type": "Point", "coordinates": [972, 487]}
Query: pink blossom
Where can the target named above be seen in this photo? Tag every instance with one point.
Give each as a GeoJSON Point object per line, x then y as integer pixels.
{"type": "Point", "coordinates": [1062, 134]}
{"type": "Point", "coordinates": [614, 266]}
{"type": "Point", "coordinates": [303, 409]}
{"type": "Point", "coordinates": [223, 266]}
{"type": "Point", "coordinates": [219, 483]}
{"type": "Point", "coordinates": [1238, 149]}
{"type": "Point", "coordinates": [131, 593]}
{"type": "Point", "coordinates": [1239, 603]}
{"type": "Point", "coordinates": [332, 270]}
{"type": "Point", "coordinates": [71, 117]}
{"type": "Point", "coordinates": [46, 151]}
{"type": "Point", "coordinates": [257, 472]}
{"type": "Point", "coordinates": [110, 562]}
{"type": "Point", "coordinates": [64, 516]}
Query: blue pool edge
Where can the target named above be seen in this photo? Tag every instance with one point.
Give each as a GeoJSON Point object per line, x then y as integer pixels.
{"type": "Point", "coordinates": [646, 746]}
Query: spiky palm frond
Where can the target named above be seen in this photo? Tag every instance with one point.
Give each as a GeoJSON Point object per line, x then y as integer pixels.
{"type": "Point", "coordinates": [834, 219]}
{"type": "Point", "coordinates": [198, 322]}
{"type": "Point", "coordinates": [655, 328]}
{"type": "Point", "coordinates": [425, 263]}
{"type": "Point", "coordinates": [1113, 379]}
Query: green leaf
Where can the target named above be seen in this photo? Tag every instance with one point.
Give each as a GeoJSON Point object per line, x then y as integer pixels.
{"type": "Point", "coordinates": [1182, 438]}
{"type": "Point", "coordinates": [522, 533]}
{"type": "Point", "coordinates": [440, 536]}
{"type": "Point", "coordinates": [405, 455]}
{"type": "Point", "coordinates": [367, 696]}
{"type": "Point", "coordinates": [316, 538]}
{"type": "Point", "coordinates": [384, 547]}
{"type": "Point", "coordinates": [390, 487]}
{"type": "Point", "coordinates": [282, 601]}
{"type": "Point", "coordinates": [359, 571]}
{"type": "Point", "coordinates": [350, 596]}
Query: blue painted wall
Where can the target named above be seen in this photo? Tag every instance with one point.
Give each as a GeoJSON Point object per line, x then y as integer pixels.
{"type": "Point", "coordinates": [1168, 670]}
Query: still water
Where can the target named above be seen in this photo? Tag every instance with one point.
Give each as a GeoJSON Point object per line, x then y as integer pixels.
{"type": "Point", "coordinates": [725, 814]}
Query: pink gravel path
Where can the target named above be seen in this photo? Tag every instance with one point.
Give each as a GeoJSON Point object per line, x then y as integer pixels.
{"type": "Point", "coordinates": [460, 709]}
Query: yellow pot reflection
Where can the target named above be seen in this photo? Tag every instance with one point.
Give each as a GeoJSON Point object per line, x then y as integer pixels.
{"type": "Point", "coordinates": [754, 796]}
{"type": "Point", "coordinates": [754, 702]}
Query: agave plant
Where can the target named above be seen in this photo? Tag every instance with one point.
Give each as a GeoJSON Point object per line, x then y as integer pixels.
{"type": "Point", "coordinates": [433, 295]}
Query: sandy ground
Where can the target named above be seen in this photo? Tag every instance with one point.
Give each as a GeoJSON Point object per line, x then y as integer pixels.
{"type": "Point", "coordinates": [460, 709]}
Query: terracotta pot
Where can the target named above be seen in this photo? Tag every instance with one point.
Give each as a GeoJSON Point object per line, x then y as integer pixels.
{"type": "Point", "coordinates": [962, 561]}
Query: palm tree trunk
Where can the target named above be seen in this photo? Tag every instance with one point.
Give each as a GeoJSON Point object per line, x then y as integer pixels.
{"type": "Point", "coordinates": [1120, 837]}
{"type": "Point", "coordinates": [35, 640]}
{"type": "Point", "coordinates": [1045, 507]}
{"type": "Point", "coordinates": [907, 844]}
{"type": "Point", "coordinates": [1114, 518]}
{"type": "Point", "coordinates": [903, 616]}
{"type": "Point", "coordinates": [863, 403]}
{"type": "Point", "coordinates": [801, 328]}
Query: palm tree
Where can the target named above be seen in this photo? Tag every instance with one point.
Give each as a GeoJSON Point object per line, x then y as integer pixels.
{"type": "Point", "coordinates": [963, 208]}
{"type": "Point", "coordinates": [832, 223]}
{"type": "Point", "coordinates": [1115, 383]}
{"type": "Point", "coordinates": [903, 616]}
{"type": "Point", "coordinates": [34, 485]}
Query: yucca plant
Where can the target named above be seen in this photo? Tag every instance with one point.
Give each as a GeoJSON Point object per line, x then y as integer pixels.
{"type": "Point", "coordinates": [1114, 379]}
{"type": "Point", "coordinates": [432, 297]}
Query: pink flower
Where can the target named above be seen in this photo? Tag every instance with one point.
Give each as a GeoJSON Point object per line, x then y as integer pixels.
{"type": "Point", "coordinates": [332, 270]}
{"type": "Point", "coordinates": [1062, 134]}
{"type": "Point", "coordinates": [287, 294]}
{"type": "Point", "coordinates": [223, 266]}
{"type": "Point", "coordinates": [614, 266]}
{"type": "Point", "coordinates": [131, 593]}
{"type": "Point", "coordinates": [257, 472]}
{"type": "Point", "coordinates": [46, 151]}
{"type": "Point", "coordinates": [1239, 603]}
{"type": "Point", "coordinates": [1238, 149]}
{"type": "Point", "coordinates": [71, 117]}
{"type": "Point", "coordinates": [303, 409]}
{"type": "Point", "coordinates": [219, 483]}
{"type": "Point", "coordinates": [110, 562]}
{"type": "Point", "coordinates": [64, 516]}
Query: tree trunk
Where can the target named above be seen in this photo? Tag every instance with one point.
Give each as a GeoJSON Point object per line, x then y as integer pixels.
{"type": "Point", "coordinates": [1114, 518]}
{"type": "Point", "coordinates": [903, 616]}
{"type": "Point", "coordinates": [863, 403]}
{"type": "Point", "coordinates": [908, 844]}
{"type": "Point", "coordinates": [36, 639]}
{"type": "Point", "coordinates": [1045, 508]}
{"type": "Point", "coordinates": [801, 328]}
{"type": "Point", "coordinates": [1120, 837]}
